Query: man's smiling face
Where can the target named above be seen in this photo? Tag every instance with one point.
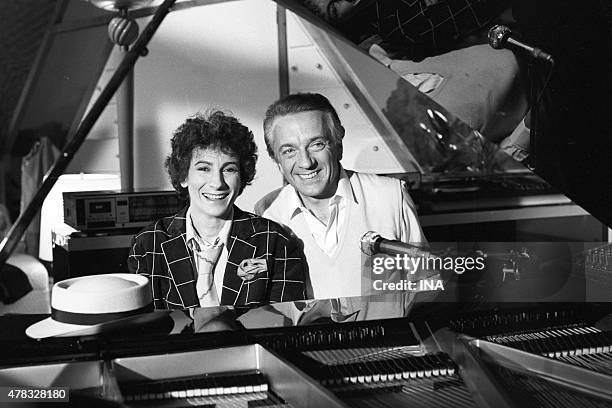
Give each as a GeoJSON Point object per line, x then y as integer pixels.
{"type": "Point", "coordinates": [306, 155]}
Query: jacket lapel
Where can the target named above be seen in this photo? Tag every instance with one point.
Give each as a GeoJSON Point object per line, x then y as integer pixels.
{"type": "Point", "coordinates": [179, 261]}
{"type": "Point", "coordinates": [238, 249]}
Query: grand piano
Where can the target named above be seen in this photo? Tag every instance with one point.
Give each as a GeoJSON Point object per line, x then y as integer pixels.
{"type": "Point", "coordinates": [375, 351]}
{"type": "Point", "coordinates": [543, 339]}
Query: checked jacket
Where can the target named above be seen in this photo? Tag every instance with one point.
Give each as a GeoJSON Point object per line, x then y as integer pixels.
{"type": "Point", "coordinates": [415, 29]}
{"type": "Point", "coordinates": [160, 252]}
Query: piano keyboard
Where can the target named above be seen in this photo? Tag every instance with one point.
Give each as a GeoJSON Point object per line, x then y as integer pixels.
{"type": "Point", "coordinates": [529, 390]}
{"type": "Point", "coordinates": [580, 345]}
{"type": "Point", "coordinates": [222, 390]}
{"type": "Point", "coordinates": [350, 354]}
{"type": "Point", "coordinates": [389, 376]}
{"type": "Point", "coordinates": [600, 362]}
{"type": "Point", "coordinates": [481, 324]}
{"type": "Point", "coordinates": [422, 392]}
{"type": "Point", "coordinates": [558, 342]}
{"type": "Point", "coordinates": [375, 371]}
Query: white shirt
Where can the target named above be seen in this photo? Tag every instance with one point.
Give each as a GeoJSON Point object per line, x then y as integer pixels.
{"type": "Point", "coordinates": [379, 204]}
{"type": "Point", "coordinates": [221, 238]}
{"type": "Point", "coordinates": [327, 236]}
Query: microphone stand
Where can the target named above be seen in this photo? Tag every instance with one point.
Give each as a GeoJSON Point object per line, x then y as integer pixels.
{"type": "Point", "coordinates": [533, 115]}
{"type": "Point", "coordinates": [534, 100]}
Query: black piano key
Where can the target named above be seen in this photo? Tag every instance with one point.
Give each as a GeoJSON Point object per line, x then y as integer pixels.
{"type": "Point", "coordinates": [441, 364]}
{"type": "Point", "coordinates": [340, 374]}
{"type": "Point", "coordinates": [331, 375]}
{"type": "Point", "coordinates": [363, 372]}
{"type": "Point", "coordinates": [377, 371]}
{"type": "Point", "coordinates": [422, 367]}
{"type": "Point", "coordinates": [395, 370]}
{"type": "Point", "coordinates": [193, 389]}
{"type": "Point", "coordinates": [594, 342]}
{"type": "Point", "coordinates": [410, 369]}
{"type": "Point", "coordinates": [434, 363]}
{"type": "Point", "coordinates": [450, 365]}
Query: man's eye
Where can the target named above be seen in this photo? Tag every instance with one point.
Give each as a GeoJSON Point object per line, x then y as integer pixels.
{"type": "Point", "coordinates": [203, 168]}
{"type": "Point", "coordinates": [317, 146]}
{"type": "Point", "coordinates": [289, 151]}
{"type": "Point", "coordinates": [231, 170]}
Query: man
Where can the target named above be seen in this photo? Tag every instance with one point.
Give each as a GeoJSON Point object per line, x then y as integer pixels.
{"type": "Point", "coordinates": [327, 207]}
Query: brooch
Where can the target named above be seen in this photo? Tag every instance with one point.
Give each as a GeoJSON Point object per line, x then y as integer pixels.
{"type": "Point", "coordinates": [248, 268]}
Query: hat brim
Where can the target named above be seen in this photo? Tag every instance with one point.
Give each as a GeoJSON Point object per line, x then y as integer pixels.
{"type": "Point", "coordinates": [51, 328]}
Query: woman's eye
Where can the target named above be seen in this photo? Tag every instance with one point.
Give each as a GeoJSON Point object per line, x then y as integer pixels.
{"type": "Point", "coordinates": [203, 168]}
{"type": "Point", "coordinates": [231, 170]}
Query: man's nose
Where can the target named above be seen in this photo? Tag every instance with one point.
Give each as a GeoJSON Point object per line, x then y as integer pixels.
{"type": "Point", "coordinates": [305, 160]}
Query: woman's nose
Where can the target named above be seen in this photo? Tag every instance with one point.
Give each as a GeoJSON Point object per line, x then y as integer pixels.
{"type": "Point", "coordinates": [217, 180]}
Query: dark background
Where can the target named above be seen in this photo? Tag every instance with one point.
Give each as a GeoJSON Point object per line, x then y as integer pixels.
{"type": "Point", "coordinates": [574, 148]}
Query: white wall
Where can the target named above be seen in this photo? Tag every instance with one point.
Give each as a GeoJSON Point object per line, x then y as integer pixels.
{"type": "Point", "coordinates": [222, 55]}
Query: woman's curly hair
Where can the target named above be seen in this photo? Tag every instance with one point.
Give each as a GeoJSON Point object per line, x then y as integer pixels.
{"type": "Point", "coordinates": [216, 130]}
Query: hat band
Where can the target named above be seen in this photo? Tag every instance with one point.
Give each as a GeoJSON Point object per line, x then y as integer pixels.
{"type": "Point", "coordinates": [95, 318]}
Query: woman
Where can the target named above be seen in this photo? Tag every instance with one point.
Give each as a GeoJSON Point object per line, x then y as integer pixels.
{"type": "Point", "coordinates": [212, 253]}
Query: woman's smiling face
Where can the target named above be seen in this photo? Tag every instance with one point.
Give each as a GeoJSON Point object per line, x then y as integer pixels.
{"type": "Point", "coordinates": [213, 182]}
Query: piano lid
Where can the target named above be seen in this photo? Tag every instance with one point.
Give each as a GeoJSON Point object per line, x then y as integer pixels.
{"type": "Point", "coordinates": [424, 138]}
{"type": "Point", "coordinates": [441, 47]}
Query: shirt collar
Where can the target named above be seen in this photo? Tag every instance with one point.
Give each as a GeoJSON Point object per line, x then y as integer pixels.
{"type": "Point", "coordinates": [343, 191]}
{"type": "Point", "coordinates": [190, 232]}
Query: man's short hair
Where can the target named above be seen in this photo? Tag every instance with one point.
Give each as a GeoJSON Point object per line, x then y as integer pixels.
{"type": "Point", "coordinates": [216, 130]}
{"type": "Point", "coordinates": [304, 102]}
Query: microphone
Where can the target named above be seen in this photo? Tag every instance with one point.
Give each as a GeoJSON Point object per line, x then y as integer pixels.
{"type": "Point", "coordinates": [372, 243]}
{"type": "Point", "coordinates": [501, 37]}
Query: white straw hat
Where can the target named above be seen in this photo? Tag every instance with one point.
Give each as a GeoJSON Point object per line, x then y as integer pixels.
{"type": "Point", "coordinates": [90, 304]}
